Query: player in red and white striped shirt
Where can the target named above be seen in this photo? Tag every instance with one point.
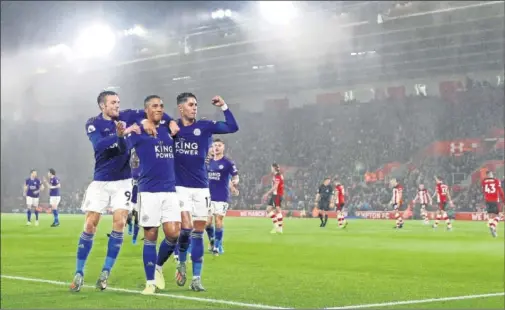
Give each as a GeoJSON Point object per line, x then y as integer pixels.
{"type": "Point", "coordinates": [396, 202]}
{"type": "Point", "coordinates": [423, 198]}
{"type": "Point", "coordinates": [339, 204]}
{"type": "Point", "coordinates": [443, 198]}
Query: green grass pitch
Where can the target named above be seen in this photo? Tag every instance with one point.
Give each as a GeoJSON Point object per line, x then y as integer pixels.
{"type": "Point", "coordinates": [369, 264]}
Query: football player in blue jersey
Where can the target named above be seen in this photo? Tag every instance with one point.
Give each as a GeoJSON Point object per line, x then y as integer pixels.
{"type": "Point", "coordinates": [192, 184]}
{"type": "Point", "coordinates": [133, 217]}
{"type": "Point", "coordinates": [158, 201]}
{"type": "Point", "coordinates": [111, 181]}
{"type": "Point", "coordinates": [54, 187]}
{"type": "Point", "coordinates": [223, 179]}
{"type": "Point", "coordinates": [31, 190]}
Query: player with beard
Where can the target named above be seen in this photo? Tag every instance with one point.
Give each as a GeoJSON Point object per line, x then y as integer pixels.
{"type": "Point", "coordinates": [424, 199]}
{"type": "Point", "coordinates": [396, 202]}
{"type": "Point", "coordinates": [323, 200]}
{"type": "Point", "coordinates": [493, 195]}
{"type": "Point", "coordinates": [339, 204]}
{"type": "Point", "coordinates": [111, 183]}
{"type": "Point", "coordinates": [443, 198]}
{"type": "Point", "coordinates": [276, 193]}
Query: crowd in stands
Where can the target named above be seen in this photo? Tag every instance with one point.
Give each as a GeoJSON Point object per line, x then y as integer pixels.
{"type": "Point", "coordinates": [313, 142]}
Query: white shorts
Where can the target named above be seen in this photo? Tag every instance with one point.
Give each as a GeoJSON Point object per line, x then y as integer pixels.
{"type": "Point", "coordinates": [54, 201]}
{"type": "Point", "coordinates": [31, 201]}
{"type": "Point", "coordinates": [196, 201]}
{"type": "Point", "coordinates": [102, 194]}
{"type": "Point", "coordinates": [158, 208]}
{"type": "Point", "coordinates": [219, 207]}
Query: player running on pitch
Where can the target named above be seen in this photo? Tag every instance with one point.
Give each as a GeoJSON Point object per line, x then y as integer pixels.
{"type": "Point", "coordinates": [323, 200]}
{"type": "Point", "coordinates": [424, 199]}
{"type": "Point", "coordinates": [192, 183]}
{"type": "Point", "coordinates": [111, 182]}
{"type": "Point", "coordinates": [158, 202]}
{"type": "Point", "coordinates": [339, 204]}
{"type": "Point", "coordinates": [396, 202]}
{"type": "Point", "coordinates": [443, 198]}
{"type": "Point", "coordinates": [31, 190]}
{"type": "Point", "coordinates": [493, 195]}
{"type": "Point", "coordinates": [274, 203]}
{"type": "Point", "coordinates": [223, 179]}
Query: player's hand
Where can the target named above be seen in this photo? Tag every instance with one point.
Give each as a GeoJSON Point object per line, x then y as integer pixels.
{"type": "Point", "coordinates": [133, 128]}
{"type": "Point", "coordinates": [174, 128]}
{"type": "Point", "coordinates": [120, 129]}
{"type": "Point", "coordinates": [149, 127]}
{"type": "Point", "coordinates": [234, 191]}
{"type": "Point", "coordinates": [218, 101]}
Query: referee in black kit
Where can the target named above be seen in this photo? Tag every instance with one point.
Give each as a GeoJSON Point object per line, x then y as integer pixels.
{"type": "Point", "coordinates": [323, 200]}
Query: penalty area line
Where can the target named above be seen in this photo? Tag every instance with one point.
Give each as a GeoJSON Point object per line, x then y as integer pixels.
{"type": "Point", "coordinates": [115, 289]}
{"type": "Point", "coordinates": [419, 301]}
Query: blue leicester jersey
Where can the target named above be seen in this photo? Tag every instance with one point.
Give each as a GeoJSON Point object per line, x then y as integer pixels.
{"type": "Point", "coordinates": [111, 155]}
{"type": "Point", "coordinates": [54, 192]}
{"type": "Point", "coordinates": [156, 160]}
{"type": "Point", "coordinates": [220, 173]}
{"type": "Point", "coordinates": [33, 187]}
{"type": "Point", "coordinates": [192, 146]}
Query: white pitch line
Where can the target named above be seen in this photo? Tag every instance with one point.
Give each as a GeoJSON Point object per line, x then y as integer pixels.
{"type": "Point", "coordinates": [200, 299]}
{"type": "Point", "coordinates": [419, 301]}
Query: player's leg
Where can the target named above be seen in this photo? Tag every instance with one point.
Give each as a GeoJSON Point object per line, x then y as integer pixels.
{"type": "Point", "coordinates": [136, 228]}
{"type": "Point", "coordinates": [35, 205]}
{"type": "Point", "coordinates": [398, 217]}
{"type": "Point", "coordinates": [150, 205]}
{"type": "Point", "coordinates": [209, 228]}
{"type": "Point", "coordinates": [280, 216]}
{"type": "Point", "coordinates": [28, 210]}
{"type": "Point", "coordinates": [320, 214]}
{"type": "Point", "coordinates": [341, 217]}
{"type": "Point", "coordinates": [120, 201]}
{"type": "Point", "coordinates": [219, 210]}
{"type": "Point", "coordinates": [149, 255]}
{"type": "Point", "coordinates": [325, 212]}
{"type": "Point", "coordinates": [424, 215]}
{"type": "Point", "coordinates": [438, 216]}
{"type": "Point", "coordinates": [95, 200]}
{"type": "Point", "coordinates": [493, 218]}
{"type": "Point", "coordinates": [272, 214]}
{"type": "Point", "coordinates": [171, 221]}
{"type": "Point", "coordinates": [54, 201]}
{"type": "Point", "coordinates": [129, 223]}
{"type": "Point", "coordinates": [186, 204]}
{"type": "Point", "coordinates": [447, 220]}
{"type": "Point", "coordinates": [201, 210]}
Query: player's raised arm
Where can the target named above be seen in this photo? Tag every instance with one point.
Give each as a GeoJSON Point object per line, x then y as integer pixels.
{"type": "Point", "coordinates": [229, 125]}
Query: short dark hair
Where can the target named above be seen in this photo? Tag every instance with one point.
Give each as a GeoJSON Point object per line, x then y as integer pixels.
{"type": "Point", "coordinates": [183, 97]}
{"type": "Point", "coordinates": [52, 171]}
{"type": "Point", "coordinates": [276, 167]}
{"type": "Point", "coordinates": [218, 140]}
{"type": "Point", "coordinates": [32, 171]}
{"type": "Point", "coordinates": [327, 178]}
{"type": "Point", "coordinates": [101, 96]}
{"type": "Point", "coordinates": [149, 98]}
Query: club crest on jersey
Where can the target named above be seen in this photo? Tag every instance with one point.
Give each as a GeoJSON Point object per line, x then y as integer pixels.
{"type": "Point", "coordinates": [91, 128]}
{"type": "Point", "coordinates": [197, 132]}
{"type": "Point", "coordinates": [221, 167]}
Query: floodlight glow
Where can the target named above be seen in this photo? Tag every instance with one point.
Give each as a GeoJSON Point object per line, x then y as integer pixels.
{"type": "Point", "coordinates": [278, 12]}
{"type": "Point", "coordinates": [95, 41]}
